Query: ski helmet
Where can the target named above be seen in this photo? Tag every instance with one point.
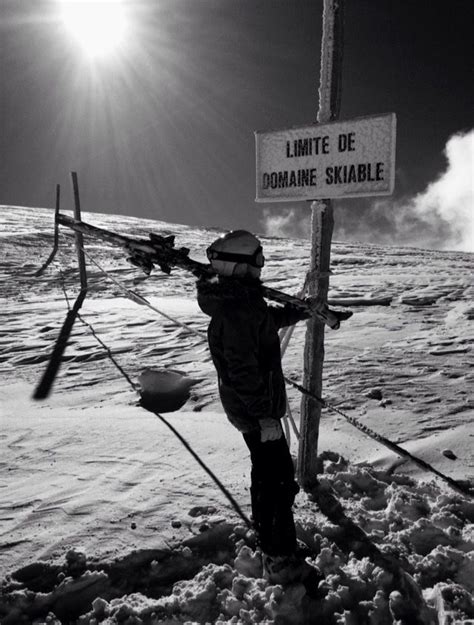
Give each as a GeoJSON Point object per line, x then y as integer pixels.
{"type": "Point", "coordinates": [234, 248]}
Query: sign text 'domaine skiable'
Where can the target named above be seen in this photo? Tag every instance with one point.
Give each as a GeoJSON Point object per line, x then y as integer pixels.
{"type": "Point", "coordinates": [340, 159]}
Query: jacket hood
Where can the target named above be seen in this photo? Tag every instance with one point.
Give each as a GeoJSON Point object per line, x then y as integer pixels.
{"type": "Point", "coordinates": [218, 290]}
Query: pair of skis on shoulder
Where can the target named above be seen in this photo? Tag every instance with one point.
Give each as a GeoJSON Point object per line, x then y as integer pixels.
{"type": "Point", "coordinates": [161, 251]}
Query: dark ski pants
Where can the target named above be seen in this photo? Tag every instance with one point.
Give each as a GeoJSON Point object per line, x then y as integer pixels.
{"type": "Point", "coordinates": [273, 491]}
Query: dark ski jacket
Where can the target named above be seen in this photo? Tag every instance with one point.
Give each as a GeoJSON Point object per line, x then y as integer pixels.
{"type": "Point", "coordinates": [245, 348]}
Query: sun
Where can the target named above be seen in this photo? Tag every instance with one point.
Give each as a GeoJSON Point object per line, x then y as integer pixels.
{"type": "Point", "coordinates": [97, 26]}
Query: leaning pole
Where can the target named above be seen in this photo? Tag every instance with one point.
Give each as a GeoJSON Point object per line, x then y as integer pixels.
{"type": "Point", "coordinates": [322, 222]}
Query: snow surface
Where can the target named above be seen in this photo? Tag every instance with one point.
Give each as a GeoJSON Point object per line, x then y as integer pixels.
{"type": "Point", "coordinates": [105, 517]}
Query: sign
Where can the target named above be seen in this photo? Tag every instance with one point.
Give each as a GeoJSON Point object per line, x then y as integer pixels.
{"type": "Point", "coordinates": [352, 158]}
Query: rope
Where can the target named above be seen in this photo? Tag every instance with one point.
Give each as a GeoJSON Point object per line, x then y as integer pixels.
{"type": "Point", "coordinates": [142, 301]}
{"type": "Point", "coordinates": [109, 353]}
{"type": "Point", "coordinates": [212, 475]}
{"type": "Point", "coordinates": [381, 439]}
{"type": "Point", "coordinates": [63, 284]}
{"type": "Point", "coordinates": [181, 438]}
{"type": "Point", "coordinates": [93, 332]}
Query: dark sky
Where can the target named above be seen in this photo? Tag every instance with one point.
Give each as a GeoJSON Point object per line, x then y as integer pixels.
{"type": "Point", "coordinates": [166, 129]}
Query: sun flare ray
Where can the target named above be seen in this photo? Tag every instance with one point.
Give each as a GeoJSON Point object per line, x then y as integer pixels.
{"type": "Point", "coordinates": [99, 27]}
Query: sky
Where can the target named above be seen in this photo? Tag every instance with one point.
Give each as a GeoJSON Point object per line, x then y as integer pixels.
{"type": "Point", "coordinates": [162, 125]}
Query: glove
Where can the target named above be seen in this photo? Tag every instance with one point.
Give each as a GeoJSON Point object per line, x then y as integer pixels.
{"type": "Point", "coordinates": [332, 317]}
{"type": "Point", "coordinates": [316, 304]}
{"type": "Point", "coordinates": [270, 430]}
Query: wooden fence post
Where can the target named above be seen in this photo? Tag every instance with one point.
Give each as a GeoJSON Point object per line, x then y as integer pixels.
{"type": "Point", "coordinates": [322, 222]}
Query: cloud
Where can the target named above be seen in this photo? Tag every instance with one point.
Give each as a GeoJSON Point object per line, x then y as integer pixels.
{"type": "Point", "coordinates": [287, 222]}
{"type": "Point", "coordinates": [448, 203]}
{"type": "Point", "coordinates": [441, 217]}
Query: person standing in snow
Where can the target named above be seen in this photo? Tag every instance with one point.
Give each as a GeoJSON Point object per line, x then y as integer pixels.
{"type": "Point", "coordinates": [245, 349]}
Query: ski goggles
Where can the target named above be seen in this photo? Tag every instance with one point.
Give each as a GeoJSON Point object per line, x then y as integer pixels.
{"type": "Point", "coordinates": [257, 259]}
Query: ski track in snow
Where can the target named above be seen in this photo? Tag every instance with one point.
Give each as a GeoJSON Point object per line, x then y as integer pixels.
{"type": "Point", "coordinates": [410, 339]}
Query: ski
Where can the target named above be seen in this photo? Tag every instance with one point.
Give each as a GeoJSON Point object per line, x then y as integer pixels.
{"type": "Point", "coordinates": [160, 251]}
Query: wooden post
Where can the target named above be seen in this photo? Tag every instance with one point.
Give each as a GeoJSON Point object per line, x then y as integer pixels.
{"type": "Point", "coordinates": [78, 235]}
{"type": "Point", "coordinates": [46, 383]}
{"type": "Point", "coordinates": [322, 222]}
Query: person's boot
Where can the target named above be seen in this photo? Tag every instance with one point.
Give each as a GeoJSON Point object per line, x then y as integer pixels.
{"type": "Point", "coordinates": [291, 569]}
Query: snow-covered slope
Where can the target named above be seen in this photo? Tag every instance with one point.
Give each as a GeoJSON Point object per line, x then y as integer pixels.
{"type": "Point", "coordinates": [88, 470]}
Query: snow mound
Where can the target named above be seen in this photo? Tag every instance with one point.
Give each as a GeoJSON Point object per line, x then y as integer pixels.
{"type": "Point", "coordinates": [382, 541]}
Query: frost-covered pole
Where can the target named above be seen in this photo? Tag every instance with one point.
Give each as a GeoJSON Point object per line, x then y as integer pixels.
{"type": "Point", "coordinates": [322, 222]}
{"type": "Point", "coordinates": [78, 235]}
